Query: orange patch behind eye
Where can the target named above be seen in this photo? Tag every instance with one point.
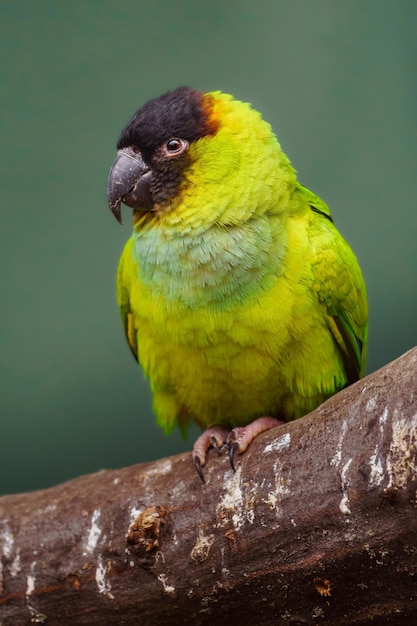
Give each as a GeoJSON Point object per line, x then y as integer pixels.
{"type": "Point", "coordinates": [207, 105]}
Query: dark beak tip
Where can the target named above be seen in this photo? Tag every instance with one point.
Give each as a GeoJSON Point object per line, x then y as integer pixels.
{"type": "Point", "coordinates": [119, 219]}
{"type": "Point", "coordinates": [117, 211]}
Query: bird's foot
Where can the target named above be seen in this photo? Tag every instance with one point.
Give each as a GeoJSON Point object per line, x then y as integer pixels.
{"type": "Point", "coordinates": [239, 438]}
{"type": "Point", "coordinates": [214, 437]}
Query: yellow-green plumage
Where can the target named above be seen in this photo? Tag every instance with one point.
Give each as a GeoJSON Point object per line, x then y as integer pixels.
{"type": "Point", "coordinates": [238, 295]}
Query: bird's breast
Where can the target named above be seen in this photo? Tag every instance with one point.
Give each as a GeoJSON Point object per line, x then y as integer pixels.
{"type": "Point", "coordinates": [215, 266]}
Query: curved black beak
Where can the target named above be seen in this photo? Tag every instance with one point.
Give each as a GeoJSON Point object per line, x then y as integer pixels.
{"type": "Point", "coordinates": [129, 182]}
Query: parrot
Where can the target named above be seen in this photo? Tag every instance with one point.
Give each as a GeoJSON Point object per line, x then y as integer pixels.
{"type": "Point", "coordinates": [241, 301]}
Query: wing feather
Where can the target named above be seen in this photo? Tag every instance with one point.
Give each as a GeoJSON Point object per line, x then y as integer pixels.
{"type": "Point", "coordinates": [123, 298]}
{"type": "Point", "coordinates": [340, 286]}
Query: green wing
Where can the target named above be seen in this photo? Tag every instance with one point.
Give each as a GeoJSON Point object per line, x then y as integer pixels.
{"type": "Point", "coordinates": [340, 287]}
{"type": "Point", "coordinates": [123, 298]}
{"type": "Point", "coordinates": [316, 204]}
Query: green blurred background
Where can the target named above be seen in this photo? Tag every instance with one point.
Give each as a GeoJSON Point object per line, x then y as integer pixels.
{"type": "Point", "coordinates": [338, 82]}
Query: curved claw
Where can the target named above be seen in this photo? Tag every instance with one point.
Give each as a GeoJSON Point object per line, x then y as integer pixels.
{"type": "Point", "coordinates": [233, 448]}
{"type": "Point", "coordinates": [215, 445]}
{"type": "Point", "coordinates": [197, 464]}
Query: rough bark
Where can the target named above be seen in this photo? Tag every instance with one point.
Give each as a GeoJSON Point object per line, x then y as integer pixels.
{"type": "Point", "coordinates": [317, 526]}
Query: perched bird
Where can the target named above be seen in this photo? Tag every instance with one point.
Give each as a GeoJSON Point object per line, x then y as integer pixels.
{"type": "Point", "coordinates": [241, 301]}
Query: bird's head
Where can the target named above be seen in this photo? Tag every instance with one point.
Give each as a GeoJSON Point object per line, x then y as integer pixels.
{"type": "Point", "coordinates": [197, 156]}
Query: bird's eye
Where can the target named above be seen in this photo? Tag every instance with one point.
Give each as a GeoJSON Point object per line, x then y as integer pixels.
{"type": "Point", "coordinates": [174, 146]}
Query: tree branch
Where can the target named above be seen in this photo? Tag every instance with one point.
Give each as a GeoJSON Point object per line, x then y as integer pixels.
{"type": "Point", "coordinates": [317, 525]}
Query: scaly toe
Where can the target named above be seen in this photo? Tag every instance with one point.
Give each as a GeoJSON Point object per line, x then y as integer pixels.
{"type": "Point", "coordinates": [214, 437]}
{"type": "Point", "coordinates": [239, 438]}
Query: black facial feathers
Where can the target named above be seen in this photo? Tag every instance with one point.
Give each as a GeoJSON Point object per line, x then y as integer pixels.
{"type": "Point", "coordinates": [182, 113]}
